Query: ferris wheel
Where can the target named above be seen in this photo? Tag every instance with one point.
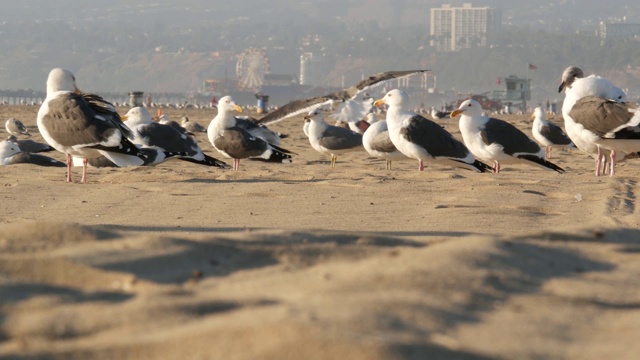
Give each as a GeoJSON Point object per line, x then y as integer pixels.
{"type": "Point", "coordinates": [251, 67]}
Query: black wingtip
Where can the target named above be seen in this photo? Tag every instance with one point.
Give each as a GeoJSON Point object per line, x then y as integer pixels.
{"type": "Point", "coordinates": [548, 164]}
{"type": "Point", "coordinates": [478, 165]}
{"type": "Point", "coordinates": [482, 167]}
{"type": "Point", "coordinates": [283, 150]}
{"type": "Point", "coordinates": [208, 161]}
{"type": "Point", "coordinates": [277, 156]}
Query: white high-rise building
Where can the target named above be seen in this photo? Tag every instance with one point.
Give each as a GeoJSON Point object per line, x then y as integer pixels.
{"type": "Point", "coordinates": [313, 68]}
{"type": "Point", "coordinates": [455, 28]}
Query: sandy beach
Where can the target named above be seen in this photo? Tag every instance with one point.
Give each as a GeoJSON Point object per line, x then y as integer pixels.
{"type": "Point", "coordinates": [301, 261]}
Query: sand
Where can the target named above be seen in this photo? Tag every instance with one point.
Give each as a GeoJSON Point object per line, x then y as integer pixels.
{"type": "Point", "coordinates": [301, 261]}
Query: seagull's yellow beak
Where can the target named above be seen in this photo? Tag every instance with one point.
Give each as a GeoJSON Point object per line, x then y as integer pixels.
{"type": "Point", "coordinates": [378, 102]}
{"type": "Point", "coordinates": [455, 113]}
{"type": "Point", "coordinates": [533, 116]}
{"type": "Point", "coordinates": [237, 108]}
{"type": "Point", "coordinates": [124, 117]}
{"type": "Point", "coordinates": [76, 90]}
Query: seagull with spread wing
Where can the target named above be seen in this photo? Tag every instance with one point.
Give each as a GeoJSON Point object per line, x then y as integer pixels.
{"type": "Point", "coordinates": [345, 97]}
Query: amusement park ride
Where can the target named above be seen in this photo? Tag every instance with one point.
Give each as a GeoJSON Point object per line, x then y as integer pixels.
{"type": "Point", "coordinates": [251, 67]}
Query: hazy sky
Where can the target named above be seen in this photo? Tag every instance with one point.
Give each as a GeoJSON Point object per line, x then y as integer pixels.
{"type": "Point", "coordinates": [387, 12]}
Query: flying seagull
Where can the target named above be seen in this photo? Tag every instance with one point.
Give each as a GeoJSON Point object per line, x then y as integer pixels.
{"type": "Point", "coordinates": [340, 97]}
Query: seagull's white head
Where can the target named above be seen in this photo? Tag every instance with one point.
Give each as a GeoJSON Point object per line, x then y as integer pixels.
{"type": "Point", "coordinates": [569, 75]}
{"type": "Point", "coordinates": [315, 115]}
{"type": "Point", "coordinates": [538, 113]}
{"type": "Point", "coordinates": [395, 97]}
{"type": "Point", "coordinates": [226, 103]}
{"type": "Point", "coordinates": [8, 149]}
{"type": "Point", "coordinates": [468, 107]}
{"type": "Point", "coordinates": [61, 80]}
{"type": "Point", "coordinates": [137, 115]}
{"type": "Point", "coordinates": [185, 119]}
{"type": "Point", "coordinates": [617, 95]}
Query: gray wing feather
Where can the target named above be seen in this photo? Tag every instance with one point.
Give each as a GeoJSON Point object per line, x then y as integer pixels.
{"type": "Point", "coordinates": [600, 115]}
{"type": "Point", "coordinates": [168, 138]}
{"type": "Point", "coordinates": [433, 138]}
{"type": "Point", "coordinates": [555, 134]}
{"type": "Point", "coordinates": [337, 138]}
{"type": "Point", "coordinates": [382, 142]}
{"type": "Point", "coordinates": [512, 140]}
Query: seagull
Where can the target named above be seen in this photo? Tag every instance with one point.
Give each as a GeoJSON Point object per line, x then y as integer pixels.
{"type": "Point", "coordinates": [237, 143]}
{"type": "Point", "coordinates": [166, 138]}
{"type": "Point", "coordinates": [343, 96]}
{"type": "Point", "coordinates": [422, 139]}
{"type": "Point", "coordinates": [11, 154]}
{"type": "Point", "coordinates": [576, 86]}
{"type": "Point", "coordinates": [192, 127]}
{"type": "Point", "coordinates": [377, 142]}
{"type": "Point", "coordinates": [546, 133]}
{"type": "Point", "coordinates": [498, 141]}
{"type": "Point", "coordinates": [438, 115]}
{"type": "Point", "coordinates": [329, 139]}
{"type": "Point", "coordinates": [83, 125]}
{"type": "Point", "coordinates": [16, 127]}
{"type": "Point", "coordinates": [29, 146]}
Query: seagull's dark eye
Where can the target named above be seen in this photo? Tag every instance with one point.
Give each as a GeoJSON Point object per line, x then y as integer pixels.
{"type": "Point", "coordinates": [469, 105]}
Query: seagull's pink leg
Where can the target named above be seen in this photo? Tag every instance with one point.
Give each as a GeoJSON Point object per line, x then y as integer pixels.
{"type": "Point", "coordinates": [420, 165]}
{"type": "Point", "coordinates": [548, 155]}
{"type": "Point", "coordinates": [599, 161]}
{"type": "Point", "coordinates": [613, 163]}
{"type": "Point", "coordinates": [84, 171]}
{"type": "Point", "coordinates": [69, 162]}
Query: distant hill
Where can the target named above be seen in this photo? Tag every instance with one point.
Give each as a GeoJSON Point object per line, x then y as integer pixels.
{"type": "Point", "coordinates": [124, 45]}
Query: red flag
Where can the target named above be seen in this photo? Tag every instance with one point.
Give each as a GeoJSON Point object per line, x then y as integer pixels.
{"type": "Point", "coordinates": [498, 81]}
{"type": "Point", "coordinates": [532, 67]}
